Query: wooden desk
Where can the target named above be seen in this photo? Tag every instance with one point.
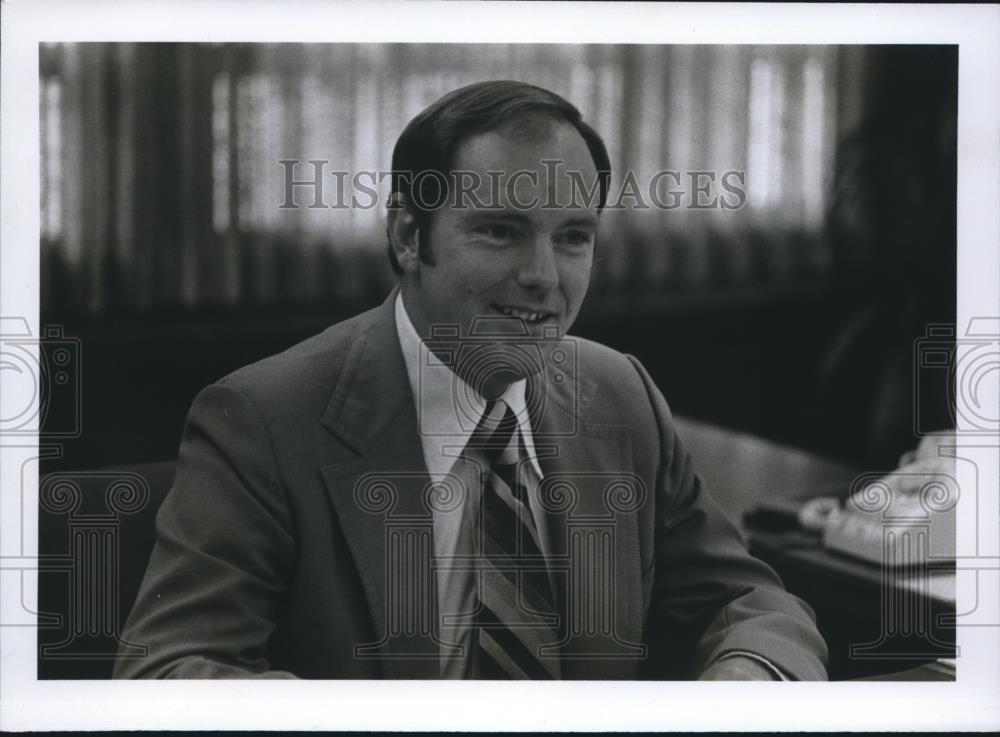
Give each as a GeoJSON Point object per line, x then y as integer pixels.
{"type": "Point", "coordinates": [743, 470]}
{"type": "Point", "coordinates": [849, 596]}
{"type": "Point", "coordinates": [875, 623]}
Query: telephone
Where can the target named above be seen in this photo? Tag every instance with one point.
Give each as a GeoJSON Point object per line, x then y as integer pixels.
{"type": "Point", "coordinates": [902, 518]}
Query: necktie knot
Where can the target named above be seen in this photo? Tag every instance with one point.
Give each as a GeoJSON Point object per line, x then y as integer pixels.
{"type": "Point", "coordinates": [493, 435]}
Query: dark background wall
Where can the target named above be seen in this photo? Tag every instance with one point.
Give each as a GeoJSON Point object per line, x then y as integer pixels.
{"type": "Point", "coordinates": [798, 330]}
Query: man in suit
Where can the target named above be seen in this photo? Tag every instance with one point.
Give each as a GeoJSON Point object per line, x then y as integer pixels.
{"type": "Point", "coordinates": [448, 486]}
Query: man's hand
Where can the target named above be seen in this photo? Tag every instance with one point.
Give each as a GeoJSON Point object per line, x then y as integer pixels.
{"type": "Point", "coordinates": [737, 668]}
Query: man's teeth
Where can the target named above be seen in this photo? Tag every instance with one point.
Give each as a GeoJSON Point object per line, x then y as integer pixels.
{"type": "Point", "coordinates": [524, 314]}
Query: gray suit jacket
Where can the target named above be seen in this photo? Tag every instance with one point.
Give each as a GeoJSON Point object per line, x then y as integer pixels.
{"type": "Point", "coordinates": [301, 482]}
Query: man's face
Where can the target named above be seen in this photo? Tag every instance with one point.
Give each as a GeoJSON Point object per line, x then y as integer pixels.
{"type": "Point", "coordinates": [522, 266]}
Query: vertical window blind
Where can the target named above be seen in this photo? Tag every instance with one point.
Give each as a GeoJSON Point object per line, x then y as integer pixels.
{"type": "Point", "coordinates": [161, 181]}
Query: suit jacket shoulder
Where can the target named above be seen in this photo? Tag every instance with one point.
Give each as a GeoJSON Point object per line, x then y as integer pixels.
{"type": "Point", "coordinates": [307, 371]}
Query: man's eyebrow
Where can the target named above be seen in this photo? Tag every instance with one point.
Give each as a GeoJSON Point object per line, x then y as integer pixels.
{"type": "Point", "coordinates": [587, 221]}
{"type": "Point", "coordinates": [578, 221]}
{"type": "Point", "coordinates": [513, 215]}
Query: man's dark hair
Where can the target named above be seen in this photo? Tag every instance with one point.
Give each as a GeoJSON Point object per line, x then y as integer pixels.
{"type": "Point", "coordinates": [428, 143]}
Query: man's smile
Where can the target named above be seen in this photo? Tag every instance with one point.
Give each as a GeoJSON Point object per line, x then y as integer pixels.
{"type": "Point", "coordinates": [529, 315]}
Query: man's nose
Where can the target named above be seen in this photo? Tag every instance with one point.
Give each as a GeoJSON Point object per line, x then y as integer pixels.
{"type": "Point", "coordinates": [539, 268]}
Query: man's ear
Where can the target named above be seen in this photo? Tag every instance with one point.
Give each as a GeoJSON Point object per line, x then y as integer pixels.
{"type": "Point", "coordinates": [404, 234]}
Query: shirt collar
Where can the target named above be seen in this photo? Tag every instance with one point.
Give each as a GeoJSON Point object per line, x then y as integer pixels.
{"type": "Point", "coordinates": [448, 409]}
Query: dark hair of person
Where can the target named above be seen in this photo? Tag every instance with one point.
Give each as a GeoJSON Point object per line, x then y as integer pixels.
{"type": "Point", "coordinates": [429, 141]}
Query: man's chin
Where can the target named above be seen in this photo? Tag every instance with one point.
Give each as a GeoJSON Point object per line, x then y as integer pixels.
{"type": "Point", "coordinates": [491, 367]}
{"type": "Point", "coordinates": [494, 385]}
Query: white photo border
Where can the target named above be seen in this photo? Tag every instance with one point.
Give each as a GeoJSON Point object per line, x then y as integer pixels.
{"type": "Point", "coordinates": [972, 702]}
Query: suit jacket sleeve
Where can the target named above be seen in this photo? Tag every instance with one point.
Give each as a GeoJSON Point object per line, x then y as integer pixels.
{"type": "Point", "coordinates": [710, 596]}
{"type": "Point", "coordinates": [211, 595]}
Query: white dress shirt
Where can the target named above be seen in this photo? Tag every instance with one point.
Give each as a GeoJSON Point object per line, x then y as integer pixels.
{"type": "Point", "coordinates": [448, 410]}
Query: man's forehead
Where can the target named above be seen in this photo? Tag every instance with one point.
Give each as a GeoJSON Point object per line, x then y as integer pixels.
{"type": "Point", "coordinates": [526, 143]}
{"type": "Point", "coordinates": [519, 166]}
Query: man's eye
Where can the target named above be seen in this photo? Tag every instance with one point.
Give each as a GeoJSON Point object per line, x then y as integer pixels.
{"type": "Point", "coordinates": [576, 238]}
{"type": "Point", "coordinates": [497, 232]}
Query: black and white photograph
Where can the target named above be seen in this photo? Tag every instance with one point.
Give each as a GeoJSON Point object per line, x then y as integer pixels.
{"type": "Point", "coordinates": [356, 363]}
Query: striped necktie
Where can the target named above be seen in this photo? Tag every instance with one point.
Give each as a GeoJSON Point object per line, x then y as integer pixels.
{"type": "Point", "coordinates": [515, 615]}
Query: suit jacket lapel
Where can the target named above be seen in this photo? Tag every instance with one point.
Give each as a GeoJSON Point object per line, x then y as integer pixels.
{"type": "Point", "coordinates": [379, 498]}
{"type": "Point", "coordinates": [594, 498]}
